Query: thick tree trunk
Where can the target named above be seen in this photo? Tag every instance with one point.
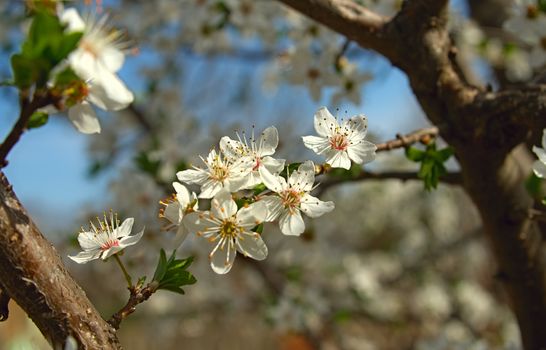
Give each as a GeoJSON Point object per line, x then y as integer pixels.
{"type": "Point", "coordinates": [32, 274]}
{"type": "Point", "coordinates": [497, 188]}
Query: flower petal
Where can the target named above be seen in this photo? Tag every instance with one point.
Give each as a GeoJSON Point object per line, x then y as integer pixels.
{"type": "Point", "coordinates": [314, 207]}
{"type": "Point", "coordinates": [173, 213]}
{"type": "Point", "coordinates": [539, 169]}
{"type": "Point", "coordinates": [325, 123]}
{"type": "Point", "coordinates": [231, 148]}
{"type": "Point", "coordinates": [303, 178]}
{"type": "Point", "coordinates": [269, 140]}
{"type": "Point", "coordinates": [108, 92]}
{"type": "Point", "coordinates": [251, 244]}
{"type": "Point", "coordinates": [272, 165]}
{"type": "Point", "coordinates": [180, 237]}
{"type": "Point", "coordinates": [222, 256]}
{"type": "Point", "coordinates": [130, 240]}
{"type": "Point", "coordinates": [223, 206]}
{"type": "Point", "coordinates": [362, 152]}
{"type": "Point", "coordinates": [110, 251]}
{"type": "Point", "coordinates": [84, 118]}
{"type": "Point", "coordinates": [200, 223]}
{"type": "Point", "coordinates": [73, 20]}
{"type": "Point", "coordinates": [193, 176]}
{"type": "Point", "coordinates": [338, 159]}
{"type": "Point", "coordinates": [541, 153]}
{"type": "Point", "coordinates": [88, 241]}
{"type": "Point", "coordinates": [125, 228]}
{"type": "Point", "coordinates": [253, 215]}
{"type": "Point", "coordinates": [86, 256]}
{"type": "Point", "coordinates": [291, 223]}
{"type": "Point", "coordinates": [182, 194]}
{"type": "Point", "coordinates": [274, 207]}
{"type": "Point", "coordinates": [319, 145]}
{"type": "Point", "coordinates": [112, 58]}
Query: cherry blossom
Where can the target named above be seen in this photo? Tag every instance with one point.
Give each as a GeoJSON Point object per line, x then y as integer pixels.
{"type": "Point", "coordinates": [292, 197]}
{"type": "Point", "coordinates": [176, 207]}
{"type": "Point", "coordinates": [106, 239]}
{"type": "Point", "coordinates": [341, 143]}
{"type": "Point", "coordinates": [230, 230]}
{"type": "Point", "coordinates": [256, 154]}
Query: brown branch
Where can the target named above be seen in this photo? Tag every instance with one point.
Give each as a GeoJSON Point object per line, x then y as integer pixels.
{"type": "Point", "coordinates": [27, 109]}
{"type": "Point", "coordinates": [449, 178]}
{"type": "Point", "coordinates": [33, 275]}
{"type": "Point", "coordinates": [139, 116]}
{"type": "Point", "coordinates": [348, 18]}
{"type": "Point", "coordinates": [421, 135]}
{"type": "Point", "coordinates": [4, 301]}
{"type": "Point", "coordinates": [137, 296]}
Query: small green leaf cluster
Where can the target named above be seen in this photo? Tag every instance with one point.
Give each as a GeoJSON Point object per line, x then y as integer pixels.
{"type": "Point", "coordinates": [45, 47]}
{"type": "Point", "coordinates": [432, 163]}
{"type": "Point", "coordinates": [171, 274]}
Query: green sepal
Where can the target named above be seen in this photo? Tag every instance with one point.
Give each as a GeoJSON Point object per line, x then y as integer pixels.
{"type": "Point", "coordinates": [37, 119]}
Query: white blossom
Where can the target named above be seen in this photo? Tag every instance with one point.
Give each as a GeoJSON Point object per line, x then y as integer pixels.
{"type": "Point", "coordinates": [96, 59]}
{"type": "Point", "coordinates": [106, 239]}
{"type": "Point", "coordinates": [230, 230]}
{"type": "Point", "coordinates": [539, 167]}
{"type": "Point", "coordinates": [220, 173]}
{"type": "Point", "coordinates": [256, 155]}
{"type": "Point", "coordinates": [341, 143]}
{"type": "Point", "coordinates": [177, 207]}
{"type": "Point", "coordinates": [292, 197]}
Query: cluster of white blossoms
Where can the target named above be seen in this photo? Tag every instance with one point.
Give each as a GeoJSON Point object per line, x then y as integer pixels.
{"type": "Point", "coordinates": [248, 187]}
{"type": "Point", "coordinates": [99, 56]}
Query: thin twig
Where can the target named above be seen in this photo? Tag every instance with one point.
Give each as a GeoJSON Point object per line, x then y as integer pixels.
{"type": "Point", "coordinates": [421, 135]}
{"type": "Point", "coordinates": [454, 178]}
{"type": "Point", "coordinates": [137, 296]}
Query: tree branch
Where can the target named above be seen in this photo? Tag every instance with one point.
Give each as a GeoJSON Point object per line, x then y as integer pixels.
{"type": "Point", "coordinates": [449, 178]}
{"type": "Point", "coordinates": [421, 135]}
{"type": "Point", "coordinates": [137, 296]}
{"type": "Point", "coordinates": [33, 275]}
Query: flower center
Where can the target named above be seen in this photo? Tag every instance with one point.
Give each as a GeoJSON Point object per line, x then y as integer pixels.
{"type": "Point", "coordinates": [109, 244]}
{"type": "Point", "coordinates": [76, 92]}
{"type": "Point", "coordinates": [257, 164]}
{"type": "Point", "coordinates": [219, 172]}
{"type": "Point", "coordinates": [339, 142]}
{"type": "Point", "coordinates": [290, 198]}
{"type": "Point", "coordinates": [229, 229]}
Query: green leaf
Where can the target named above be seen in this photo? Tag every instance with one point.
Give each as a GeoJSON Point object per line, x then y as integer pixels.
{"type": "Point", "coordinates": [161, 268]}
{"type": "Point", "coordinates": [533, 185]}
{"type": "Point", "coordinates": [68, 43]}
{"type": "Point", "coordinates": [414, 154]}
{"type": "Point", "coordinates": [172, 274]}
{"type": "Point", "coordinates": [25, 71]}
{"type": "Point", "coordinates": [289, 169]}
{"type": "Point", "coordinates": [66, 77]}
{"type": "Point", "coordinates": [259, 228]}
{"type": "Point", "coordinates": [432, 163]}
{"type": "Point", "coordinates": [37, 119]}
{"type": "Point", "coordinates": [259, 189]}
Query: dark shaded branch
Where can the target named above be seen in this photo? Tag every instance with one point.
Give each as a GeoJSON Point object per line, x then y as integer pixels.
{"type": "Point", "coordinates": [137, 296]}
{"type": "Point", "coordinates": [4, 301]}
{"type": "Point", "coordinates": [139, 116]}
{"type": "Point", "coordinates": [449, 178]}
{"type": "Point", "coordinates": [33, 275]}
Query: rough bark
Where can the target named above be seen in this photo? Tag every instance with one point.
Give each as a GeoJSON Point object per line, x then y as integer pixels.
{"type": "Point", "coordinates": [32, 274]}
{"type": "Point", "coordinates": [483, 127]}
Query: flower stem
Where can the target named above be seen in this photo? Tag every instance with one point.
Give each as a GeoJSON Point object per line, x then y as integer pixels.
{"type": "Point", "coordinates": [124, 270]}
